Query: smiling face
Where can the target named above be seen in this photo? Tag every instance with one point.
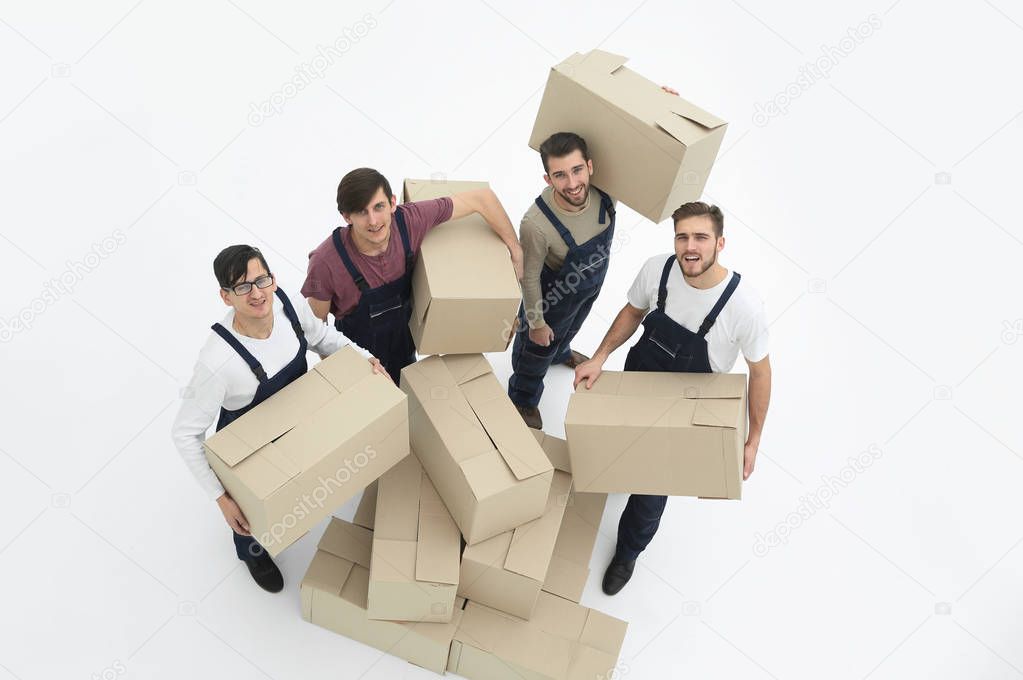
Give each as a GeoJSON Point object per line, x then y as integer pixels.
{"type": "Point", "coordinates": [696, 245]}
{"type": "Point", "coordinates": [371, 226]}
{"type": "Point", "coordinates": [569, 176]}
{"type": "Point", "coordinates": [257, 304]}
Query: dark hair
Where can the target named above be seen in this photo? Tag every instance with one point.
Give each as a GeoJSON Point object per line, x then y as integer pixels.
{"type": "Point", "coordinates": [358, 188]}
{"type": "Point", "coordinates": [233, 262]}
{"type": "Point", "coordinates": [561, 144]}
{"type": "Point", "coordinates": [697, 208]}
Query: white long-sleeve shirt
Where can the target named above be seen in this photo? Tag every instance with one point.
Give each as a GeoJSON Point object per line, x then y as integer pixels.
{"type": "Point", "coordinates": [221, 378]}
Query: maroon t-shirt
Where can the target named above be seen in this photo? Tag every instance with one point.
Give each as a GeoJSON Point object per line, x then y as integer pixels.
{"type": "Point", "coordinates": [327, 279]}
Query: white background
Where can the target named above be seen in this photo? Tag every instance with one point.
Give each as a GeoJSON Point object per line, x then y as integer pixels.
{"type": "Point", "coordinates": [892, 291]}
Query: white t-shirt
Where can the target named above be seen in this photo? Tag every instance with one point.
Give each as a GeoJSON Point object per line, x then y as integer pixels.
{"type": "Point", "coordinates": [741, 325]}
{"type": "Point", "coordinates": [221, 378]}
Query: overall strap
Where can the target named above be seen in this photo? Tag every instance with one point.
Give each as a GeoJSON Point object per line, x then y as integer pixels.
{"type": "Point", "coordinates": [662, 289]}
{"type": "Point", "coordinates": [720, 304]}
{"type": "Point", "coordinates": [339, 246]}
{"type": "Point", "coordinates": [607, 206]}
{"type": "Point", "coordinates": [399, 217]}
{"type": "Point", "coordinates": [561, 229]}
{"type": "Point", "coordinates": [229, 338]}
{"type": "Point", "coordinates": [289, 311]}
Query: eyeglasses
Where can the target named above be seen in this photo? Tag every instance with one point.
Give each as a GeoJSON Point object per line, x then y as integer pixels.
{"type": "Point", "coordinates": [245, 287]}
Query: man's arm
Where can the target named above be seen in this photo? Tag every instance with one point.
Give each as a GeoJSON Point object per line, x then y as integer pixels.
{"type": "Point", "coordinates": [320, 308]}
{"type": "Point", "coordinates": [624, 325]}
{"type": "Point", "coordinates": [486, 203]}
{"type": "Point", "coordinates": [759, 398]}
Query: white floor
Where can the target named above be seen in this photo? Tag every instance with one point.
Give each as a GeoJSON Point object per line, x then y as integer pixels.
{"type": "Point", "coordinates": [878, 215]}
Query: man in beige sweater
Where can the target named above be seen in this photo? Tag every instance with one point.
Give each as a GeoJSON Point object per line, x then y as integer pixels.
{"type": "Point", "coordinates": [566, 242]}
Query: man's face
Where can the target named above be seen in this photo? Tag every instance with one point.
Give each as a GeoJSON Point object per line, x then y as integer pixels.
{"type": "Point", "coordinates": [696, 246]}
{"type": "Point", "coordinates": [258, 302]}
{"type": "Point", "coordinates": [372, 224]}
{"type": "Point", "coordinates": [570, 177]}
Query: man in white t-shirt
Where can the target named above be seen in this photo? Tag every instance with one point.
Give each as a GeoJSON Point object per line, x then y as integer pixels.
{"type": "Point", "coordinates": [697, 317]}
{"type": "Point", "coordinates": [258, 348]}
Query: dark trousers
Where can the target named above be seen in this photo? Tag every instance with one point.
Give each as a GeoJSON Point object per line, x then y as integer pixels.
{"type": "Point", "coordinates": [246, 547]}
{"type": "Point", "coordinates": [531, 361]}
{"type": "Point", "coordinates": [638, 525]}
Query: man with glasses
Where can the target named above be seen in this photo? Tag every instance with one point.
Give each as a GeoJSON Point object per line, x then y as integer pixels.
{"type": "Point", "coordinates": [257, 349]}
{"type": "Point", "coordinates": [362, 273]}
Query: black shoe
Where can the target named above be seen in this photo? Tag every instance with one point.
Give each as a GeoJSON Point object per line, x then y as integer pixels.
{"type": "Point", "coordinates": [575, 358]}
{"type": "Point", "coordinates": [265, 573]}
{"type": "Point", "coordinates": [617, 575]}
{"type": "Point", "coordinates": [531, 415]}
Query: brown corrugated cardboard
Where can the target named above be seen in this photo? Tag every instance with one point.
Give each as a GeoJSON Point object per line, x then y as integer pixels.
{"type": "Point", "coordinates": [488, 469]}
{"type": "Point", "coordinates": [570, 564]}
{"type": "Point", "coordinates": [413, 573]}
{"type": "Point", "coordinates": [334, 593]}
{"type": "Point", "coordinates": [465, 295]}
{"type": "Point", "coordinates": [507, 571]}
{"type": "Point", "coordinates": [366, 511]}
{"type": "Point", "coordinates": [299, 455]}
{"type": "Point", "coordinates": [651, 150]}
{"type": "Point", "coordinates": [562, 641]}
{"type": "Point", "coordinates": [672, 434]}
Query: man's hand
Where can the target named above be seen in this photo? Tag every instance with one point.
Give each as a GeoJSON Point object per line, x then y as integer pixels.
{"type": "Point", "coordinates": [588, 371]}
{"type": "Point", "coordinates": [379, 367]}
{"type": "Point", "coordinates": [749, 457]}
{"type": "Point", "coordinates": [669, 90]}
{"type": "Point", "coordinates": [517, 261]}
{"type": "Point", "coordinates": [233, 515]}
{"type": "Point", "coordinates": [542, 336]}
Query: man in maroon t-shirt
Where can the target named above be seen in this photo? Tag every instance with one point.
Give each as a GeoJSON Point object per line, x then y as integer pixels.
{"type": "Point", "coordinates": [362, 275]}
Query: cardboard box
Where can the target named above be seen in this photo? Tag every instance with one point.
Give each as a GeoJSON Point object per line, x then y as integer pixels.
{"type": "Point", "coordinates": [299, 455]}
{"type": "Point", "coordinates": [464, 290]}
{"type": "Point", "coordinates": [413, 572]}
{"type": "Point", "coordinates": [562, 641]}
{"type": "Point", "coordinates": [334, 593]}
{"type": "Point", "coordinates": [672, 434]}
{"type": "Point", "coordinates": [365, 512]}
{"type": "Point", "coordinates": [507, 571]}
{"type": "Point", "coordinates": [651, 150]}
{"type": "Point", "coordinates": [569, 567]}
{"type": "Point", "coordinates": [487, 467]}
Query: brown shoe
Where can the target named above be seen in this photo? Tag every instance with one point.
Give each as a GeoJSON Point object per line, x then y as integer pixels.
{"type": "Point", "coordinates": [531, 415]}
{"type": "Point", "coordinates": [575, 359]}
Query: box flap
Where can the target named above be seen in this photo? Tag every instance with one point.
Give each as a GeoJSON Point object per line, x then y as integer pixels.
{"type": "Point", "coordinates": [347, 541]}
{"type": "Point", "coordinates": [555, 448]}
{"type": "Point", "coordinates": [504, 426]}
{"type": "Point", "coordinates": [532, 543]}
{"type": "Point", "coordinates": [466, 367]}
{"type": "Point", "coordinates": [717, 412]}
{"type": "Point", "coordinates": [595, 60]}
{"type": "Point", "coordinates": [345, 368]}
{"type": "Point", "coordinates": [365, 514]}
{"type": "Point", "coordinates": [439, 542]}
{"type": "Point", "coordinates": [266, 471]}
{"type": "Point", "coordinates": [327, 572]}
{"type": "Point", "coordinates": [397, 516]}
{"type": "Point", "coordinates": [687, 122]}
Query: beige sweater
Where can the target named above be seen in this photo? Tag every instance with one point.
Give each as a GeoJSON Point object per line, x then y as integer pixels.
{"type": "Point", "coordinates": [541, 244]}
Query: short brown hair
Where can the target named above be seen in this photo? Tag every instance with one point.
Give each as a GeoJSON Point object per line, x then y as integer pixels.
{"type": "Point", "coordinates": [560, 144]}
{"type": "Point", "coordinates": [358, 188]}
{"type": "Point", "coordinates": [697, 208]}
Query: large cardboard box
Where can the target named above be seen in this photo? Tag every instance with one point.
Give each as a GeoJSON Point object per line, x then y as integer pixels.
{"type": "Point", "coordinates": [651, 150]}
{"type": "Point", "coordinates": [671, 434]}
{"type": "Point", "coordinates": [507, 571]}
{"type": "Point", "coordinates": [334, 593]}
{"type": "Point", "coordinates": [562, 641]}
{"type": "Point", "coordinates": [489, 470]}
{"type": "Point", "coordinates": [569, 567]}
{"type": "Point", "coordinates": [299, 455]}
{"type": "Point", "coordinates": [413, 572]}
{"type": "Point", "coordinates": [465, 294]}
